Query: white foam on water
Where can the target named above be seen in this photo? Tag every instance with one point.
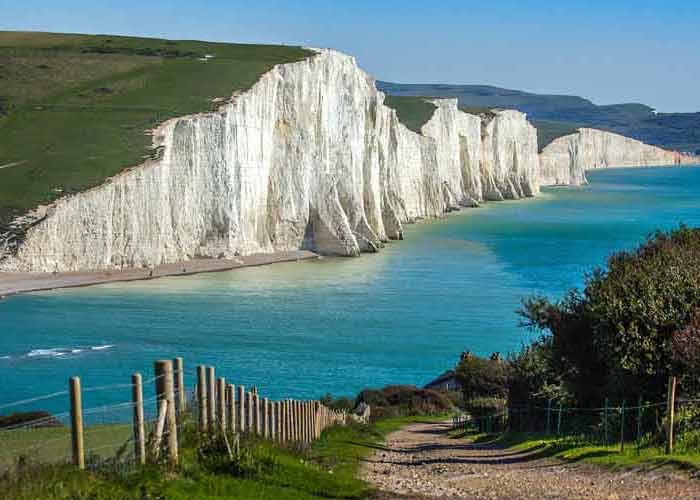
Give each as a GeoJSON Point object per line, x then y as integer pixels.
{"type": "Point", "coordinates": [60, 352]}
{"type": "Point", "coordinates": [101, 347]}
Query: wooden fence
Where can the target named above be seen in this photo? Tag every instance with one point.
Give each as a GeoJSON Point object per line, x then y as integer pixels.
{"type": "Point", "coordinates": [218, 407]}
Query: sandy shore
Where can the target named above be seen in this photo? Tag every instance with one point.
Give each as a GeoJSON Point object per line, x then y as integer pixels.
{"type": "Point", "coordinates": [14, 283]}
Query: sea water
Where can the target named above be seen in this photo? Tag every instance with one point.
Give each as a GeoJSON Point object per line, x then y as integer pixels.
{"type": "Point", "coordinates": [338, 325]}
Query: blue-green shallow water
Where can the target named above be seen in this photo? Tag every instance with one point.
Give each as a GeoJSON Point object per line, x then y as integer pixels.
{"type": "Point", "coordinates": [340, 325]}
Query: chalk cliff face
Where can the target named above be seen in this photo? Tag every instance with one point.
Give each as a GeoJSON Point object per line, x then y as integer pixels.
{"type": "Point", "coordinates": [565, 160]}
{"type": "Point", "coordinates": [309, 157]}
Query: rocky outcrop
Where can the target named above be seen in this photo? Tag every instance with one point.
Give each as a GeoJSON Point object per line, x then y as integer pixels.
{"type": "Point", "coordinates": [309, 157]}
{"type": "Point", "coordinates": [566, 159]}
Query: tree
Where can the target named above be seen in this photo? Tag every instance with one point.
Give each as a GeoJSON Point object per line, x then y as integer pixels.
{"type": "Point", "coordinates": [616, 337]}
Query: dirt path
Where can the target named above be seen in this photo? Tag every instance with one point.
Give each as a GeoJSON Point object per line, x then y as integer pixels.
{"type": "Point", "coordinates": [420, 461]}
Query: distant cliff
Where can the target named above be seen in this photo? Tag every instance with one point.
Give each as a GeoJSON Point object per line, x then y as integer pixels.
{"type": "Point", "coordinates": [309, 157]}
{"type": "Point", "coordinates": [566, 159]}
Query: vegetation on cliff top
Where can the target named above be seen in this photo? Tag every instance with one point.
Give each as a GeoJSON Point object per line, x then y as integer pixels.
{"type": "Point", "coordinates": [413, 112]}
{"type": "Point", "coordinates": [679, 131]}
{"type": "Point", "coordinates": [75, 109]}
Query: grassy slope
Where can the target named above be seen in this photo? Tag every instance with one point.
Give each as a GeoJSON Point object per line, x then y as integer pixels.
{"type": "Point", "coordinates": [74, 109]}
{"type": "Point", "coordinates": [547, 131]}
{"type": "Point", "coordinates": [329, 469]}
{"type": "Point", "coordinates": [53, 444]}
{"type": "Point", "coordinates": [679, 131]}
{"type": "Point", "coordinates": [413, 112]}
{"type": "Point", "coordinates": [575, 450]}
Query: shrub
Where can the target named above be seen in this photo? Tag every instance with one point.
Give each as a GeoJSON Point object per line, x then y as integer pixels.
{"type": "Point", "coordinates": [341, 403]}
{"type": "Point", "coordinates": [397, 400]}
{"type": "Point", "coordinates": [481, 377]}
{"type": "Point", "coordinates": [534, 375]}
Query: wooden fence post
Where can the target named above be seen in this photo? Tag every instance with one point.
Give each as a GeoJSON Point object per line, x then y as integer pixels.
{"type": "Point", "coordinates": [241, 408]}
{"type": "Point", "coordinates": [249, 410]}
{"type": "Point", "coordinates": [622, 426]}
{"type": "Point", "coordinates": [160, 427]}
{"type": "Point", "coordinates": [304, 421]}
{"type": "Point", "coordinates": [265, 418]}
{"type": "Point", "coordinates": [670, 413]}
{"type": "Point", "coordinates": [639, 422]}
{"type": "Point", "coordinates": [307, 414]}
{"type": "Point", "coordinates": [299, 422]}
{"type": "Point", "coordinates": [139, 426]}
{"type": "Point", "coordinates": [280, 420]}
{"type": "Point", "coordinates": [276, 421]}
{"type": "Point", "coordinates": [178, 366]}
{"type": "Point", "coordinates": [605, 421]}
{"type": "Point", "coordinates": [559, 420]}
{"type": "Point", "coordinates": [165, 390]}
{"type": "Point", "coordinates": [211, 397]}
{"type": "Point", "coordinates": [76, 421]}
{"type": "Point", "coordinates": [231, 401]}
{"type": "Point", "coordinates": [293, 419]}
{"type": "Point", "coordinates": [285, 421]}
{"type": "Point", "coordinates": [221, 405]}
{"type": "Point", "coordinates": [202, 397]}
{"type": "Point", "coordinates": [315, 420]}
{"type": "Point", "coordinates": [256, 414]}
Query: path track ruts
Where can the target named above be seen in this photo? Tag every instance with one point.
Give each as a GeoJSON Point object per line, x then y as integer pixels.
{"type": "Point", "coordinates": [421, 461]}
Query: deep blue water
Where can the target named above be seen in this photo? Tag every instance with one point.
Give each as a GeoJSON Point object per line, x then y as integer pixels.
{"type": "Point", "coordinates": [340, 325]}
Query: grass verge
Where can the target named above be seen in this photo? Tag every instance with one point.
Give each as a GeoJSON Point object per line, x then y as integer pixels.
{"type": "Point", "coordinates": [575, 449]}
{"type": "Point", "coordinates": [329, 468]}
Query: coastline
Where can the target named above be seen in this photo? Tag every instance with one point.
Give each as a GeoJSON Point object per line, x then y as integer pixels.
{"type": "Point", "coordinates": [17, 283]}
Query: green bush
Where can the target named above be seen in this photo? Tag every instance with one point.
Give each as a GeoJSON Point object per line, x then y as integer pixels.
{"type": "Point", "coordinates": [341, 403]}
{"type": "Point", "coordinates": [404, 400]}
{"type": "Point", "coordinates": [481, 377]}
{"type": "Point", "coordinates": [534, 375]}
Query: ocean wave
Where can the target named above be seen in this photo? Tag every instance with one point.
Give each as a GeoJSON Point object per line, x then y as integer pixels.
{"type": "Point", "coordinates": [60, 352]}
{"type": "Point", "coordinates": [101, 347]}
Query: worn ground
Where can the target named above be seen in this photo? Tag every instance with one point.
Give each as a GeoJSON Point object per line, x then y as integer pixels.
{"type": "Point", "coordinates": [421, 461]}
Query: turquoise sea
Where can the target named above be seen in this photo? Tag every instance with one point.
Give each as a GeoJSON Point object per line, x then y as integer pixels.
{"type": "Point", "coordinates": [340, 325]}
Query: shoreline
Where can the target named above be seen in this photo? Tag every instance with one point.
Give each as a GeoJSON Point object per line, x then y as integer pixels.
{"type": "Point", "coordinates": [18, 283]}
{"type": "Point", "coordinates": [14, 283]}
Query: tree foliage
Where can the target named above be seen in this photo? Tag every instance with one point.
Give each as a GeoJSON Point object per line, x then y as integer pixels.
{"type": "Point", "coordinates": [482, 378]}
{"type": "Point", "coordinates": [616, 337]}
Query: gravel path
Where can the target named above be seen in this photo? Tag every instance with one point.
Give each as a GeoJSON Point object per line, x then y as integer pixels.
{"type": "Point", "coordinates": [420, 461]}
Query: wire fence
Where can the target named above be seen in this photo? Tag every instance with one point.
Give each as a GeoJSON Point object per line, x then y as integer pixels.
{"type": "Point", "coordinates": [133, 430]}
{"type": "Point", "coordinates": [673, 424]}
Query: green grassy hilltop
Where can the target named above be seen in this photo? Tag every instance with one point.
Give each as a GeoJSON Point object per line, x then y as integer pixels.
{"type": "Point", "coordinates": [557, 115]}
{"type": "Point", "coordinates": [75, 109]}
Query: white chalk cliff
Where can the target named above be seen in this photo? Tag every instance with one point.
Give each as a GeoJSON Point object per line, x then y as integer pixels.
{"type": "Point", "coordinates": [566, 159]}
{"type": "Point", "coordinates": [308, 158]}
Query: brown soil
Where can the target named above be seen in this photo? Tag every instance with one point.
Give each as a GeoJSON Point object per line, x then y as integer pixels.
{"type": "Point", "coordinates": [421, 461]}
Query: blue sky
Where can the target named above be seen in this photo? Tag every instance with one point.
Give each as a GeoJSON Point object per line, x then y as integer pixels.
{"type": "Point", "coordinates": [609, 51]}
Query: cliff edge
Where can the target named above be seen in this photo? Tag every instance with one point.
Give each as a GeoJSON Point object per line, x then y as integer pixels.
{"type": "Point", "coordinates": [566, 159]}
